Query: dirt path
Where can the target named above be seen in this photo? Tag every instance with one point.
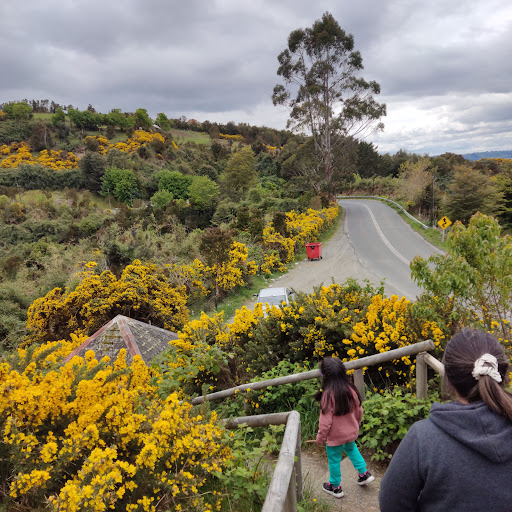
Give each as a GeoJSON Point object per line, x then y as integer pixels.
{"type": "Point", "coordinates": [357, 498]}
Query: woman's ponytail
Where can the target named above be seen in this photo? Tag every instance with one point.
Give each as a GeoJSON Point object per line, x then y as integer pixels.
{"type": "Point", "coordinates": [495, 397]}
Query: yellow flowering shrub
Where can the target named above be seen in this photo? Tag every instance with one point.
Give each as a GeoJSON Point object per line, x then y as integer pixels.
{"type": "Point", "coordinates": [305, 227]}
{"type": "Point", "coordinates": [235, 271]}
{"type": "Point", "coordinates": [275, 241]}
{"type": "Point", "coordinates": [134, 143]}
{"type": "Point", "coordinates": [20, 153]}
{"type": "Point", "coordinates": [348, 321]}
{"type": "Point", "coordinates": [200, 280]}
{"type": "Point", "coordinates": [236, 137]}
{"type": "Point", "coordinates": [272, 262]}
{"type": "Point", "coordinates": [142, 292]}
{"type": "Point", "coordinates": [192, 276]}
{"type": "Point", "coordinates": [93, 436]}
{"type": "Point", "coordinates": [302, 228]}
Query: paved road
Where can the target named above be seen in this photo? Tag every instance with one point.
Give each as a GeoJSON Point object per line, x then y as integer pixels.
{"type": "Point", "coordinates": [374, 243]}
{"type": "Point", "coordinates": [384, 243]}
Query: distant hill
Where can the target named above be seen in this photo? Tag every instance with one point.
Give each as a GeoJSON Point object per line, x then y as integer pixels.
{"type": "Point", "coordinates": [488, 154]}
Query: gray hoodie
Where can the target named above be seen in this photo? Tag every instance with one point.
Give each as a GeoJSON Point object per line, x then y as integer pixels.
{"type": "Point", "coordinates": [459, 459]}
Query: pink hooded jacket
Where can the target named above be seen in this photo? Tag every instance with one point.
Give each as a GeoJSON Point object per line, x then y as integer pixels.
{"type": "Point", "coordinates": [336, 430]}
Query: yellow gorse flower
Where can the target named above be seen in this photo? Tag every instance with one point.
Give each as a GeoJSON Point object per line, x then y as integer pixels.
{"type": "Point", "coordinates": [94, 435]}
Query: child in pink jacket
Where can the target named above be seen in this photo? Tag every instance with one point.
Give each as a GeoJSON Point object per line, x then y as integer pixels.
{"type": "Point", "coordinates": [340, 416]}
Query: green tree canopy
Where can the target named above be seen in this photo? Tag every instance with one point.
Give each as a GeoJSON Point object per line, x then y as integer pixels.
{"type": "Point", "coordinates": [142, 119]}
{"type": "Point", "coordinates": [469, 192]}
{"type": "Point", "coordinates": [369, 162]}
{"type": "Point", "coordinates": [92, 168]}
{"type": "Point", "coordinates": [175, 182]}
{"type": "Point", "coordinates": [161, 199]}
{"type": "Point", "coordinates": [85, 119]}
{"type": "Point", "coordinates": [116, 118]}
{"type": "Point", "coordinates": [162, 121]}
{"type": "Point", "coordinates": [203, 192]}
{"type": "Point", "coordinates": [121, 183]}
{"type": "Point", "coordinates": [326, 96]}
{"type": "Point", "coordinates": [240, 174]}
{"type": "Point", "coordinates": [503, 183]}
{"type": "Point", "coordinates": [473, 280]}
{"type": "Point", "coordinates": [59, 118]}
{"type": "Point", "coordinates": [17, 110]}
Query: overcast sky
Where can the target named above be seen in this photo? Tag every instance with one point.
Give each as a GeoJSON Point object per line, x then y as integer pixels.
{"type": "Point", "coordinates": [444, 67]}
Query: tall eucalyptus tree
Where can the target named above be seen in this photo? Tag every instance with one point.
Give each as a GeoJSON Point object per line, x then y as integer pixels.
{"type": "Point", "coordinates": [328, 100]}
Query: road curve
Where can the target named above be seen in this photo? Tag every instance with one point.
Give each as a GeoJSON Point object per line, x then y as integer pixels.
{"type": "Point", "coordinates": [373, 244]}
{"type": "Point", "coordinates": [384, 243]}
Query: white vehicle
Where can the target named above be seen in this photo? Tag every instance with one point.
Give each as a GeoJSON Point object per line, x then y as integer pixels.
{"type": "Point", "coordinates": [275, 296]}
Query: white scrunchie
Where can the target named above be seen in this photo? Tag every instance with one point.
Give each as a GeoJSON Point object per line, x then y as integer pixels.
{"type": "Point", "coordinates": [486, 365]}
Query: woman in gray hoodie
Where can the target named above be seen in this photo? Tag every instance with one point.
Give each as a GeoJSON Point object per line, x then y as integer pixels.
{"type": "Point", "coordinates": [460, 458]}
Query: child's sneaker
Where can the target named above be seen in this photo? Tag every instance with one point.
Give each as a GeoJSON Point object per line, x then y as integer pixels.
{"type": "Point", "coordinates": [337, 492]}
{"type": "Point", "coordinates": [365, 478]}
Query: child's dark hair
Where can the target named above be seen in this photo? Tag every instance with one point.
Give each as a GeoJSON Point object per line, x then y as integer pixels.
{"type": "Point", "coordinates": [336, 383]}
{"type": "Point", "coordinates": [459, 359]}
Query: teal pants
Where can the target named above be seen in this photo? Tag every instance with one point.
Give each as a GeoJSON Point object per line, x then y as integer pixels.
{"type": "Point", "coordinates": [334, 456]}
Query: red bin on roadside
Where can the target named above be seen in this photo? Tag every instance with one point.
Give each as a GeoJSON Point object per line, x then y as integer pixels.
{"type": "Point", "coordinates": [314, 250]}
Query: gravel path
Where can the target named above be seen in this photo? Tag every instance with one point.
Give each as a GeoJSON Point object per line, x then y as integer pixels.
{"type": "Point", "coordinates": [357, 498]}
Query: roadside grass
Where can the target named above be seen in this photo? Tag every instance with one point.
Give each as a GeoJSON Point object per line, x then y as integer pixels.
{"type": "Point", "coordinates": [432, 235]}
{"type": "Point", "coordinates": [190, 136]}
{"type": "Point", "coordinates": [238, 298]}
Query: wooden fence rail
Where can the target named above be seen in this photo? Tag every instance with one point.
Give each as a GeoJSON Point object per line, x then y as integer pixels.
{"type": "Point", "coordinates": [285, 488]}
{"type": "Point", "coordinates": [355, 364]}
{"type": "Point", "coordinates": [422, 360]}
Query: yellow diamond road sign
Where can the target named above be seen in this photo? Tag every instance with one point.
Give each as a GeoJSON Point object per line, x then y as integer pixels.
{"type": "Point", "coordinates": [444, 222]}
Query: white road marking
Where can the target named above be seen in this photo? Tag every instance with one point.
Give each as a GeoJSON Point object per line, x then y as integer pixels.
{"type": "Point", "coordinates": [384, 239]}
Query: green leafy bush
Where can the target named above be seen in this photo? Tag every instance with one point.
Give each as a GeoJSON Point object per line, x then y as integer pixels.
{"type": "Point", "coordinates": [246, 475]}
{"type": "Point", "coordinates": [388, 417]}
{"type": "Point", "coordinates": [34, 177]}
{"type": "Point", "coordinates": [298, 396]}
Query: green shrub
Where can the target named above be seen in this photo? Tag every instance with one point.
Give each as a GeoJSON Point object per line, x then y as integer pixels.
{"type": "Point", "coordinates": [161, 199]}
{"type": "Point", "coordinates": [287, 397]}
{"type": "Point", "coordinates": [92, 223]}
{"type": "Point", "coordinates": [14, 131]}
{"type": "Point", "coordinates": [245, 475]}
{"type": "Point", "coordinates": [388, 417]}
{"type": "Point", "coordinates": [38, 177]}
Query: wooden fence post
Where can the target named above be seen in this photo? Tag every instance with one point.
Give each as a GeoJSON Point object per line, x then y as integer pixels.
{"type": "Point", "coordinates": [421, 376]}
{"type": "Point", "coordinates": [359, 382]}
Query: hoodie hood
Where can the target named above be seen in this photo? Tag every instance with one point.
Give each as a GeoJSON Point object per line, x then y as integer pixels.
{"type": "Point", "coordinates": [477, 427]}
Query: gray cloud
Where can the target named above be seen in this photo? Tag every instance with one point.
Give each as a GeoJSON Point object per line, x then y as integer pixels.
{"type": "Point", "coordinates": [443, 64]}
